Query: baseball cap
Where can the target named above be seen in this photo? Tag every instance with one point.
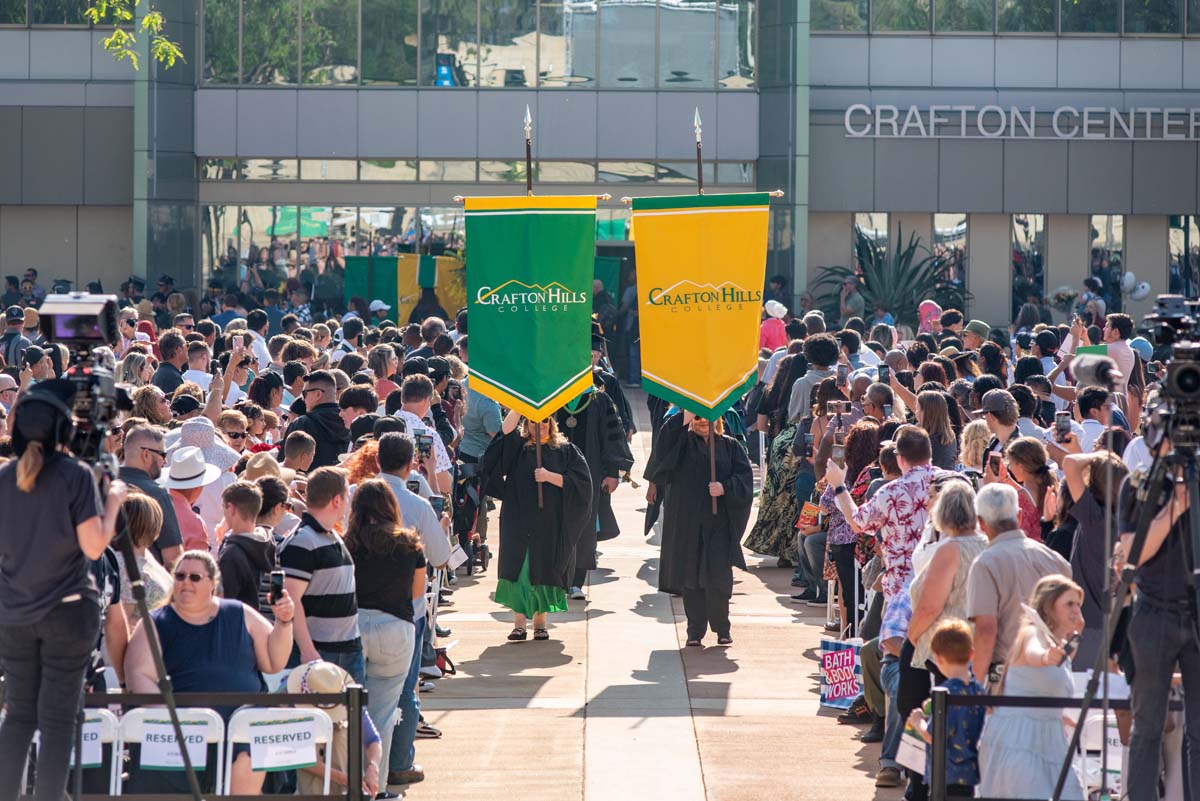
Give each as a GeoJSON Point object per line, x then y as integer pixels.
{"type": "Point", "coordinates": [363, 426]}
{"type": "Point", "coordinates": [1047, 340]}
{"type": "Point", "coordinates": [34, 354]}
{"type": "Point", "coordinates": [184, 404]}
{"type": "Point", "coordinates": [997, 400]}
{"type": "Point", "coordinates": [415, 365]}
{"type": "Point", "coordinates": [379, 305]}
{"type": "Point", "coordinates": [14, 313]}
{"type": "Point", "coordinates": [1024, 340]}
{"type": "Point", "coordinates": [1142, 347]}
{"type": "Point", "coordinates": [979, 328]}
{"type": "Point", "coordinates": [437, 365]}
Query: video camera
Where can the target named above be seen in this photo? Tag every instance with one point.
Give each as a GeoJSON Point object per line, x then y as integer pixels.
{"type": "Point", "coordinates": [84, 322]}
{"type": "Point", "coordinates": [1175, 410]}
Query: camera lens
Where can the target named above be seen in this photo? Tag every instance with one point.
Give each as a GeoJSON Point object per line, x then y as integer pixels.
{"type": "Point", "coordinates": [1185, 381]}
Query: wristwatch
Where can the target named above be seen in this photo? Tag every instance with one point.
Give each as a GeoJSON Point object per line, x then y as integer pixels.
{"type": "Point", "coordinates": [839, 489]}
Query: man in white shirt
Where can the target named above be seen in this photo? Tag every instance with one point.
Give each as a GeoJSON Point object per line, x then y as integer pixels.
{"type": "Point", "coordinates": [1118, 328]}
{"type": "Point", "coordinates": [1044, 346]}
{"type": "Point", "coordinates": [352, 330]}
{"type": "Point", "coordinates": [1090, 408]}
{"type": "Point", "coordinates": [416, 394]}
{"type": "Point", "coordinates": [199, 359]}
{"type": "Point", "coordinates": [257, 323]}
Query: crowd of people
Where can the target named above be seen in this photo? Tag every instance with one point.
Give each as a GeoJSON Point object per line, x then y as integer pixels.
{"type": "Point", "coordinates": [302, 489]}
{"type": "Point", "coordinates": [347, 458]}
{"type": "Point", "coordinates": [963, 489]}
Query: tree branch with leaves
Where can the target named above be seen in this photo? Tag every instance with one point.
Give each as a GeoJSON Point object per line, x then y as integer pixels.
{"type": "Point", "coordinates": [122, 43]}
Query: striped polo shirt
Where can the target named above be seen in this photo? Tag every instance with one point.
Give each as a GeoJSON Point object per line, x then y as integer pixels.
{"type": "Point", "coordinates": [319, 557]}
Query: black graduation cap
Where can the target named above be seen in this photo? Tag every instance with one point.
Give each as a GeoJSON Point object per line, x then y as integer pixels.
{"type": "Point", "coordinates": [166, 279]}
{"type": "Point", "coordinates": [137, 282]}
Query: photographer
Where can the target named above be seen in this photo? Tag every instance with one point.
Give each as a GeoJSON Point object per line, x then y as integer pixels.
{"type": "Point", "coordinates": [49, 603]}
{"type": "Point", "coordinates": [1162, 635]}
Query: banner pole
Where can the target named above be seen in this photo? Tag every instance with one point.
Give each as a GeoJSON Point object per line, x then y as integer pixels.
{"type": "Point", "coordinates": [537, 451]}
{"type": "Point", "coordinates": [712, 458]}
{"type": "Point", "coordinates": [528, 152]}
{"type": "Point", "coordinates": [699, 163]}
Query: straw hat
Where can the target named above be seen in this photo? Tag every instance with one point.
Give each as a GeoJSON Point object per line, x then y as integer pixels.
{"type": "Point", "coordinates": [199, 432]}
{"type": "Point", "coordinates": [321, 677]}
{"type": "Point", "coordinates": [262, 464]}
{"type": "Point", "coordinates": [189, 470]}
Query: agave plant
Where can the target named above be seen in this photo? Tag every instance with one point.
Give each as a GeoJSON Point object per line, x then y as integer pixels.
{"type": "Point", "coordinates": [901, 280]}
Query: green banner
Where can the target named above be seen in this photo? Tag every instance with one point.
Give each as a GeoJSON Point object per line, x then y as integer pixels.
{"type": "Point", "coordinates": [529, 297]}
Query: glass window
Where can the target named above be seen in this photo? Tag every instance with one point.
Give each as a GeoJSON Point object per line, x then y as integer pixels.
{"type": "Point", "coordinates": [449, 55]}
{"type": "Point", "coordinates": [329, 35]}
{"type": "Point", "coordinates": [737, 37]}
{"type": "Point", "coordinates": [874, 227]}
{"type": "Point", "coordinates": [447, 170]}
{"type": "Point", "coordinates": [950, 242]}
{"type": "Point", "coordinates": [389, 42]}
{"type": "Point", "coordinates": [378, 230]}
{"type": "Point", "coordinates": [218, 242]}
{"type": "Point", "coordinates": [1089, 16]}
{"type": "Point", "coordinates": [1193, 14]}
{"type": "Point", "coordinates": [626, 44]}
{"type": "Point", "coordinates": [687, 44]}
{"type": "Point", "coordinates": [442, 229]}
{"type": "Point", "coordinates": [1107, 257]}
{"type": "Point", "coordinates": [1153, 16]}
{"type": "Point", "coordinates": [269, 37]}
{"type": "Point", "coordinates": [328, 170]}
{"type": "Point", "coordinates": [270, 170]}
{"type": "Point", "coordinates": [221, 41]}
{"type": "Point", "coordinates": [12, 12]}
{"type": "Point", "coordinates": [218, 169]}
{"type": "Point", "coordinates": [503, 171]}
{"type": "Point", "coordinates": [57, 12]}
{"type": "Point", "coordinates": [838, 15]}
{"type": "Point", "coordinates": [567, 44]}
{"type": "Point", "coordinates": [1028, 267]}
{"type": "Point", "coordinates": [736, 172]}
{"type": "Point", "coordinates": [963, 15]}
{"type": "Point", "coordinates": [387, 170]}
{"type": "Point", "coordinates": [682, 172]}
{"type": "Point", "coordinates": [612, 224]}
{"type": "Point", "coordinates": [565, 172]}
{"type": "Point", "coordinates": [1184, 237]}
{"type": "Point", "coordinates": [508, 47]}
{"type": "Point", "coordinates": [620, 172]}
{"type": "Point", "coordinates": [900, 15]}
{"type": "Point", "coordinates": [1026, 16]}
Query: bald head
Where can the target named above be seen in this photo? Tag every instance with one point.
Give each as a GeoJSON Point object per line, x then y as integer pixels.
{"type": "Point", "coordinates": [859, 387]}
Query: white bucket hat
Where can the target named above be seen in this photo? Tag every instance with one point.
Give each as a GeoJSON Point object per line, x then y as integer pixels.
{"type": "Point", "coordinates": [775, 309]}
{"type": "Point", "coordinates": [189, 470]}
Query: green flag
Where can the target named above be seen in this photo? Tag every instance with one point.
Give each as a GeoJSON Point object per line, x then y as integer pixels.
{"type": "Point", "coordinates": [529, 297]}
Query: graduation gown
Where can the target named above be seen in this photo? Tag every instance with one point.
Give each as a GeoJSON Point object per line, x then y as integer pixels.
{"type": "Point", "coordinates": [600, 437]}
{"type": "Point", "coordinates": [612, 386]}
{"type": "Point", "coordinates": [700, 549]}
{"type": "Point", "coordinates": [549, 534]}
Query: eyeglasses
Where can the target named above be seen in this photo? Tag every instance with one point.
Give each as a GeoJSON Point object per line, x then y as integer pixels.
{"type": "Point", "coordinates": [236, 434]}
{"type": "Point", "coordinates": [187, 327]}
{"type": "Point", "coordinates": [195, 578]}
{"type": "Point", "coordinates": [163, 454]}
{"type": "Point", "coordinates": [311, 389]}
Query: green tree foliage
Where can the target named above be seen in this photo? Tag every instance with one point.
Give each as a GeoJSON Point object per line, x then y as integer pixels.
{"type": "Point", "coordinates": [838, 15]}
{"type": "Point", "coordinates": [963, 15]}
{"type": "Point", "coordinates": [1026, 16]}
{"type": "Point", "coordinates": [900, 15]}
{"type": "Point", "coordinates": [122, 42]}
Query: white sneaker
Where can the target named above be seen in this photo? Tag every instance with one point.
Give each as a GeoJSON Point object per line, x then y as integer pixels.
{"type": "Point", "coordinates": [576, 594]}
{"type": "Point", "coordinates": [431, 672]}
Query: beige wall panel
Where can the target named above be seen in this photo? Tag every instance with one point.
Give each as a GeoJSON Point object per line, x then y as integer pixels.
{"type": "Point", "coordinates": [989, 271]}
{"type": "Point", "coordinates": [105, 245]}
{"type": "Point", "coordinates": [42, 237]}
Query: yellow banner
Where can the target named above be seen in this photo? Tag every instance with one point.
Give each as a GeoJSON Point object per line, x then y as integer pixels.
{"type": "Point", "coordinates": [701, 260]}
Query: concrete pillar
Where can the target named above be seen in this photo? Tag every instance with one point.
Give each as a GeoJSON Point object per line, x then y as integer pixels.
{"type": "Point", "coordinates": [1147, 255]}
{"type": "Point", "coordinates": [1067, 251]}
{"type": "Point", "coordinates": [830, 242]}
{"type": "Point", "coordinates": [989, 267]}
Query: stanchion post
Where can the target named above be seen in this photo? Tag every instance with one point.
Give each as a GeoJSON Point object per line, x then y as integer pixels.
{"type": "Point", "coordinates": [356, 699]}
{"type": "Point", "coordinates": [937, 763]}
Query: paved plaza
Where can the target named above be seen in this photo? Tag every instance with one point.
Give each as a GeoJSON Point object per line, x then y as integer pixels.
{"type": "Point", "coordinates": [614, 708]}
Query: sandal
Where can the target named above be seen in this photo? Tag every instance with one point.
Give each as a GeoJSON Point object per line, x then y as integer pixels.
{"type": "Point", "coordinates": [541, 634]}
{"type": "Point", "coordinates": [517, 635]}
{"type": "Point", "coordinates": [693, 644]}
{"type": "Point", "coordinates": [726, 640]}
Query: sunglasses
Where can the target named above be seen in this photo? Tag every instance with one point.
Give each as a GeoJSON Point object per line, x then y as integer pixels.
{"type": "Point", "coordinates": [312, 389]}
{"type": "Point", "coordinates": [163, 454]}
{"type": "Point", "coordinates": [236, 434]}
{"type": "Point", "coordinates": [187, 327]}
{"type": "Point", "coordinates": [195, 578]}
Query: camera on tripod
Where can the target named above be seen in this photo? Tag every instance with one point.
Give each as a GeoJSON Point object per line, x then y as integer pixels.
{"type": "Point", "coordinates": [83, 322]}
{"type": "Point", "coordinates": [1175, 410]}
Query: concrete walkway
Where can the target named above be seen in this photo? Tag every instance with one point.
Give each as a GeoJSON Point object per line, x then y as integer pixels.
{"type": "Point", "coordinates": [613, 707]}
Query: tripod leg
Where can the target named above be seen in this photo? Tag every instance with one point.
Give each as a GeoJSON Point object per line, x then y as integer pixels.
{"type": "Point", "coordinates": [79, 721]}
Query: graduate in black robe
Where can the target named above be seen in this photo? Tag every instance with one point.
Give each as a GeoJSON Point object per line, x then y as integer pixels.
{"type": "Point", "coordinates": [592, 424]}
{"type": "Point", "coordinates": [537, 545]}
{"type": "Point", "coordinates": [699, 548]}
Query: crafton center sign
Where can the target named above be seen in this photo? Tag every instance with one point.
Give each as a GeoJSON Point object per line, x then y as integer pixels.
{"type": "Point", "coordinates": [996, 122]}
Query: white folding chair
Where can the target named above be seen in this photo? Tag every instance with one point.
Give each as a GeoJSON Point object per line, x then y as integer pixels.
{"type": "Point", "coordinates": [108, 736]}
{"type": "Point", "coordinates": [241, 727]}
{"type": "Point", "coordinates": [133, 724]}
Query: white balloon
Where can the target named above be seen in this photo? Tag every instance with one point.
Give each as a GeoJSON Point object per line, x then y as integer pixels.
{"type": "Point", "coordinates": [1128, 282]}
{"type": "Point", "coordinates": [1141, 291]}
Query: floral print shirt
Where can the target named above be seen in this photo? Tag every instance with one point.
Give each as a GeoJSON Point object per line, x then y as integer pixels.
{"type": "Point", "coordinates": [897, 513]}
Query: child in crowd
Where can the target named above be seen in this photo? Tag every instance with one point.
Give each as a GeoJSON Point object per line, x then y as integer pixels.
{"type": "Point", "coordinates": [953, 647]}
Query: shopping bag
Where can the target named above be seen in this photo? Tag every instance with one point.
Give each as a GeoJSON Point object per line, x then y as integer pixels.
{"type": "Point", "coordinates": [841, 672]}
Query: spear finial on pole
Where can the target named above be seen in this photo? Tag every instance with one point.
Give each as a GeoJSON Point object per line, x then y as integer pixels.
{"type": "Point", "coordinates": [699, 161]}
{"type": "Point", "coordinates": [528, 151]}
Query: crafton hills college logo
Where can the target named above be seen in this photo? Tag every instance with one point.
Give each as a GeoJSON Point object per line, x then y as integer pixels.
{"type": "Point", "coordinates": [688, 296]}
{"type": "Point", "coordinates": [517, 296]}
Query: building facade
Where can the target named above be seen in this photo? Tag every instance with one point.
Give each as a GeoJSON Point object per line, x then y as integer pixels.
{"type": "Point", "coordinates": [1033, 142]}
